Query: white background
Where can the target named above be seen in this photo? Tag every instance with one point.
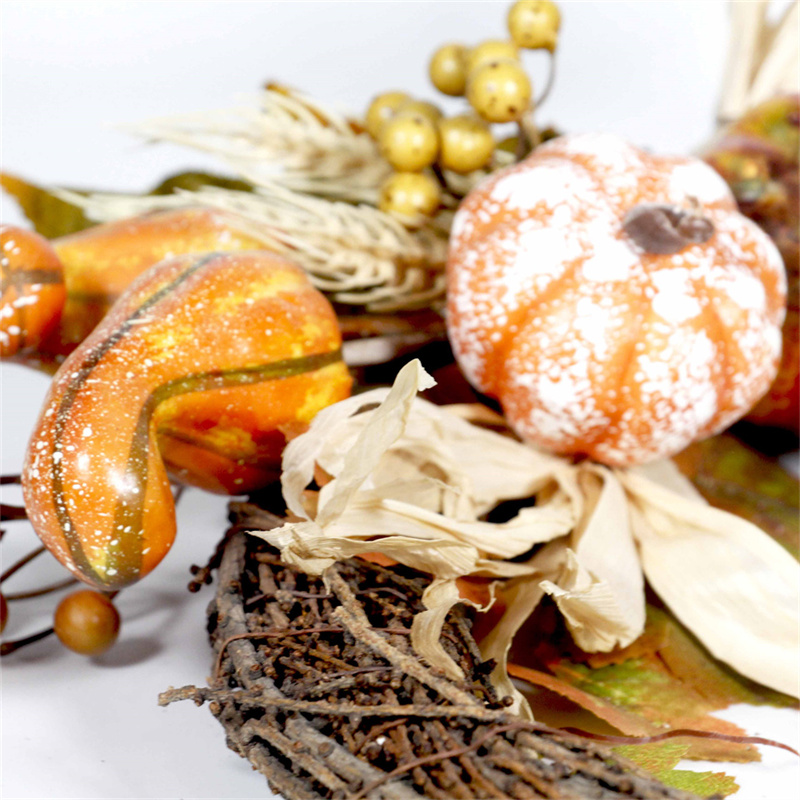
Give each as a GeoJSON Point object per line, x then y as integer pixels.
{"type": "Point", "coordinates": [71, 72]}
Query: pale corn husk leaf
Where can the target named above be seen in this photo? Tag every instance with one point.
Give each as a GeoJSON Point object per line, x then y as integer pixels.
{"type": "Point", "coordinates": [600, 590]}
{"type": "Point", "coordinates": [522, 596]}
{"type": "Point", "coordinates": [413, 481]}
{"type": "Point", "coordinates": [439, 597]}
{"type": "Point", "coordinates": [763, 58]}
{"type": "Point", "coordinates": [381, 458]}
{"type": "Point", "coordinates": [732, 585]}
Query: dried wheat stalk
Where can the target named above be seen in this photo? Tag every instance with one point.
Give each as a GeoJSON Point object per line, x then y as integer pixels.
{"type": "Point", "coordinates": [288, 140]}
{"type": "Point", "coordinates": [316, 176]}
{"type": "Point", "coordinates": [357, 254]}
{"type": "Point", "coordinates": [317, 685]}
{"type": "Point", "coordinates": [763, 57]}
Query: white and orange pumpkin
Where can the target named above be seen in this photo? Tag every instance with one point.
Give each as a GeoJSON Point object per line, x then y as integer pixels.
{"type": "Point", "coordinates": [615, 302]}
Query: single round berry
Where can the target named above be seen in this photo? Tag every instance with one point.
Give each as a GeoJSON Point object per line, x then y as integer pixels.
{"type": "Point", "coordinates": [429, 110]}
{"type": "Point", "coordinates": [86, 622]}
{"type": "Point", "coordinates": [3, 612]}
{"type": "Point", "coordinates": [500, 91]}
{"type": "Point", "coordinates": [410, 195]}
{"type": "Point", "coordinates": [488, 51]}
{"type": "Point", "coordinates": [448, 69]}
{"type": "Point", "coordinates": [382, 109]}
{"type": "Point", "coordinates": [467, 144]}
{"type": "Point", "coordinates": [534, 24]}
{"type": "Point", "coordinates": [409, 142]}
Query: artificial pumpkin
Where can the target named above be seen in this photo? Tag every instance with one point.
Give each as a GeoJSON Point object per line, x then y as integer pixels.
{"type": "Point", "coordinates": [615, 302]}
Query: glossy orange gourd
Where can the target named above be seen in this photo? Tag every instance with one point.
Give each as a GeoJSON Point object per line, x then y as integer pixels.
{"type": "Point", "coordinates": [201, 369]}
{"type": "Point", "coordinates": [99, 263]}
{"type": "Point", "coordinates": [33, 292]}
{"type": "Point", "coordinates": [615, 302]}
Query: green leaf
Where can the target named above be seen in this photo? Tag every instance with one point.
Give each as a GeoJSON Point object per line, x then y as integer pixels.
{"type": "Point", "coordinates": [53, 217]}
{"type": "Point", "coordinates": [703, 784]}
{"type": "Point", "coordinates": [655, 757]}
{"type": "Point", "coordinates": [660, 758]}
{"type": "Point", "coordinates": [737, 479]}
{"type": "Point", "coordinates": [192, 181]}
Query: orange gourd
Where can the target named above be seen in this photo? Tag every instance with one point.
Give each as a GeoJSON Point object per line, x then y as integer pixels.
{"type": "Point", "coordinates": [99, 263]}
{"type": "Point", "coordinates": [201, 369]}
{"type": "Point", "coordinates": [615, 302]}
{"type": "Point", "coordinates": [33, 292]}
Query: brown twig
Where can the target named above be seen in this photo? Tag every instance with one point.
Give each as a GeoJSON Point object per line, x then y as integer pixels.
{"type": "Point", "coordinates": [454, 753]}
{"type": "Point", "coordinates": [6, 648]}
{"type": "Point", "coordinates": [350, 710]}
{"type": "Point", "coordinates": [9, 513]}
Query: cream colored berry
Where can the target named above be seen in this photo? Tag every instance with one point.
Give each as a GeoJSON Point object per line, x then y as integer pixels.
{"type": "Point", "coordinates": [490, 50]}
{"type": "Point", "coordinates": [500, 91]}
{"type": "Point", "coordinates": [409, 142]}
{"type": "Point", "coordinates": [382, 109]}
{"type": "Point", "coordinates": [410, 196]}
{"type": "Point", "coordinates": [466, 144]}
{"type": "Point", "coordinates": [448, 69]}
{"type": "Point", "coordinates": [534, 24]}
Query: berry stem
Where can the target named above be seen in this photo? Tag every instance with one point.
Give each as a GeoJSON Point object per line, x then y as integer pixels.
{"type": "Point", "coordinates": [53, 587]}
{"type": "Point", "coordinates": [21, 563]}
{"type": "Point", "coordinates": [6, 648]}
{"type": "Point", "coordinates": [9, 513]}
{"type": "Point", "coordinates": [551, 79]}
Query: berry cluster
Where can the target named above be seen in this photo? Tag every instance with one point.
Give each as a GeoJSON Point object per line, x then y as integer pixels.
{"type": "Point", "coordinates": [419, 142]}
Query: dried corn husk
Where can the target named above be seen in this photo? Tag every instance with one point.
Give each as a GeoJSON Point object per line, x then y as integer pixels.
{"type": "Point", "coordinates": [412, 481]}
{"type": "Point", "coordinates": [732, 585]}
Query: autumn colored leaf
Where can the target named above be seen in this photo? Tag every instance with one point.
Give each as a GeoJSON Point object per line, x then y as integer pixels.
{"type": "Point", "coordinates": [53, 217]}
{"type": "Point", "coordinates": [661, 758]}
{"type": "Point", "coordinates": [703, 784]}
{"type": "Point", "coordinates": [737, 479]}
{"type": "Point", "coordinates": [640, 697]}
{"type": "Point", "coordinates": [656, 757]}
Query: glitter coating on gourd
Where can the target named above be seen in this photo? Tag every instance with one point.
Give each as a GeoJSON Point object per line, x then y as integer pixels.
{"type": "Point", "coordinates": [201, 368]}
{"type": "Point", "coordinates": [33, 292]}
{"type": "Point", "coordinates": [592, 345]}
{"type": "Point", "coordinates": [99, 263]}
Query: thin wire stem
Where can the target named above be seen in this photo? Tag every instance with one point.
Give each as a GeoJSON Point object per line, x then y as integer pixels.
{"type": "Point", "coordinates": [21, 563]}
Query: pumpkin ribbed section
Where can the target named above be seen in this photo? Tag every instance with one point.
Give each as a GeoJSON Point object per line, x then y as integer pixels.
{"type": "Point", "coordinates": [593, 345]}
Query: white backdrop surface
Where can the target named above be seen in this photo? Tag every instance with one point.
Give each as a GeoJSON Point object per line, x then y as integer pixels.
{"type": "Point", "coordinates": [71, 72]}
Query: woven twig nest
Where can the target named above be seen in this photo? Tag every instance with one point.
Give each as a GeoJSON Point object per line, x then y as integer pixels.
{"type": "Point", "coordinates": [316, 684]}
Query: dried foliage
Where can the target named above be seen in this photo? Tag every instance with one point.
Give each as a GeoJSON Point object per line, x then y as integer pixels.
{"type": "Point", "coordinates": [317, 685]}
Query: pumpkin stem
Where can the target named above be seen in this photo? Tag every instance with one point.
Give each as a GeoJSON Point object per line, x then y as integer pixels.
{"type": "Point", "coordinates": [663, 229]}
